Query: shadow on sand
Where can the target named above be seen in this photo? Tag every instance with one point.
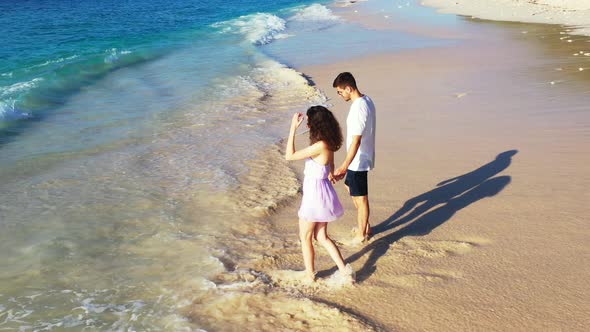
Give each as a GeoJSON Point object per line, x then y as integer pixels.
{"type": "Point", "coordinates": [455, 194]}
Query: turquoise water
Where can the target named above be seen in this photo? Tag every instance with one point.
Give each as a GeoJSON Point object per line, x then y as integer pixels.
{"type": "Point", "coordinates": [51, 49]}
{"type": "Point", "coordinates": [140, 154]}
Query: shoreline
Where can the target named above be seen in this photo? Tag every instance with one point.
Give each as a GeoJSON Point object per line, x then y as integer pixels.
{"type": "Point", "coordinates": [467, 251]}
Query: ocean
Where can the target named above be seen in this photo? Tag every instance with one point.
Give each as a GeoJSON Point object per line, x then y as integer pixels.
{"type": "Point", "coordinates": [140, 155]}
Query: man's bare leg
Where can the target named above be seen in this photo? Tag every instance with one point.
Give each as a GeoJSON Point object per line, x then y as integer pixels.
{"type": "Point", "coordinates": [361, 203]}
{"type": "Point", "coordinates": [363, 211]}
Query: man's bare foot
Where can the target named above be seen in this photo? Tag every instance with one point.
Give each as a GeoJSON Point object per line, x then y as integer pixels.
{"type": "Point", "coordinates": [309, 277]}
{"type": "Point", "coordinates": [367, 237]}
{"type": "Point", "coordinates": [358, 239]}
{"type": "Point", "coordinates": [369, 232]}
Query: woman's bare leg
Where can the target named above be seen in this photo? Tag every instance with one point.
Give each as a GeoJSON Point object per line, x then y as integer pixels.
{"type": "Point", "coordinates": [306, 232]}
{"type": "Point", "coordinates": [321, 234]}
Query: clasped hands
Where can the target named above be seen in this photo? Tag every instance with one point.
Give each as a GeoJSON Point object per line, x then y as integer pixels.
{"type": "Point", "coordinates": [338, 175]}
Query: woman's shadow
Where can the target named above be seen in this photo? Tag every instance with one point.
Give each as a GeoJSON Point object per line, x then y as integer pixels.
{"type": "Point", "coordinates": [456, 194]}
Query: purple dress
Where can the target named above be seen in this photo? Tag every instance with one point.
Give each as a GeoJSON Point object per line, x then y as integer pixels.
{"type": "Point", "coordinates": [320, 202]}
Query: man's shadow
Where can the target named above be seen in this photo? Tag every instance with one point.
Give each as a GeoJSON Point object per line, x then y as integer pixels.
{"type": "Point", "coordinates": [445, 191]}
{"type": "Point", "coordinates": [426, 223]}
{"type": "Point", "coordinates": [455, 193]}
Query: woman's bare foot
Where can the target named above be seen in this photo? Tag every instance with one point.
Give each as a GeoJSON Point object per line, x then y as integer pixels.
{"type": "Point", "coordinates": [349, 273]}
{"type": "Point", "coordinates": [342, 277]}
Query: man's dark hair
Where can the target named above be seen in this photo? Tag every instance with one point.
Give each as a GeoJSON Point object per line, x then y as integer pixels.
{"type": "Point", "coordinates": [343, 80]}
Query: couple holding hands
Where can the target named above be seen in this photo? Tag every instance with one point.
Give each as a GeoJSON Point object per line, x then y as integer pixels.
{"type": "Point", "coordinates": [320, 204]}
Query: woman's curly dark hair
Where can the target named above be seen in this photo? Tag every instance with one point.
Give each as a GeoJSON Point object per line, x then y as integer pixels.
{"type": "Point", "coordinates": [323, 126]}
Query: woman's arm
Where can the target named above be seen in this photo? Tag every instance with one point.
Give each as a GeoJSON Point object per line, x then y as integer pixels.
{"type": "Point", "coordinates": [331, 175]}
{"type": "Point", "coordinates": [309, 152]}
{"type": "Point", "coordinates": [295, 122]}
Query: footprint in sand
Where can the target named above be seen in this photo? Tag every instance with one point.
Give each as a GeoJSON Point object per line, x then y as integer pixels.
{"type": "Point", "coordinates": [273, 311]}
{"type": "Point", "coordinates": [354, 242]}
{"type": "Point", "coordinates": [290, 279]}
{"type": "Point", "coordinates": [434, 249]}
{"type": "Point", "coordinates": [419, 279]}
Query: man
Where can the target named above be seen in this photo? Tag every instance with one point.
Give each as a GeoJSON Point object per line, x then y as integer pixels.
{"type": "Point", "coordinates": [360, 147]}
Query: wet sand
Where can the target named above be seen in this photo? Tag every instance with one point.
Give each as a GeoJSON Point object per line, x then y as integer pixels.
{"type": "Point", "coordinates": [479, 195]}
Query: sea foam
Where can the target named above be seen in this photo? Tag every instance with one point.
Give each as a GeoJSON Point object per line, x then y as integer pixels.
{"type": "Point", "coordinates": [315, 12]}
{"type": "Point", "coordinates": [258, 29]}
{"type": "Point", "coordinates": [9, 96]}
{"type": "Point", "coordinates": [312, 18]}
{"type": "Point", "coordinates": [19, 87]}
{"type": "Point", "coordinates": [8, 111]}
{"type": "Point", "coordinates": [55, 61]}
{"type": "Point", "coordinates": [113, 55]}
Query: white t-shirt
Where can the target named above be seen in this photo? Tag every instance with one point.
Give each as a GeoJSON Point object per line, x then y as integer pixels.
{"type": "Point", "coordinates": [361, 121]}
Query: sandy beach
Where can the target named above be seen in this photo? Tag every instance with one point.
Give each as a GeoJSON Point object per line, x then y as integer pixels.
{"type": "Point", "coordinates": [478, 198]}
{"type": "Point", "coordinates": [572, 13]}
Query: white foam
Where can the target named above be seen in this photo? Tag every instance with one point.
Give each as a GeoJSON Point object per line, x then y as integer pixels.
{"type": "Point", "coordinates": [242, 86]}
{"type": "Point", "coordinates": [8, 98]}
{"type": "Point", "coordinates": [90, 307]}
{"type": "Point", "coordinates": [19, 87]}
{"type": "Point", "coordinates": [258, 29]}
{"type": "Point", "coordinates": [207, 284]}
{"type": "Point", "coordinates": [312, 18]}
{"type": "Point", "coordinates": [113, 55]}
{"type": "Point", "coordinates": [215, 263]}
{"type": "Point", "coordinates": [48, 62]}
{"type": "Point", "coordinates": [315, 12]}
{"type": "Point", "coordinates": [9, 111]}
{"type": "Point", "coordinates": [287, 82]}
{"type": "Point", "coordinates": [341, 279]}
{"type": "Point", "coordinates": [290, 279]}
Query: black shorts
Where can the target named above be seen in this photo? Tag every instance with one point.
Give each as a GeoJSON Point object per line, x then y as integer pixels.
{"type": "Point", "coordinates": [357, 183]}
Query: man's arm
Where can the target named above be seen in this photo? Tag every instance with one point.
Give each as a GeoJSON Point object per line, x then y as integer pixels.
{"type": "Point", "coordinates": [358, 114]}
{"type": "Point", "coordinates": [354, 147]}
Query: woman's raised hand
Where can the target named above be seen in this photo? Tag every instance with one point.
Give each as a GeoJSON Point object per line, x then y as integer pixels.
{"type": "Point", "coordinates": [297, 120]}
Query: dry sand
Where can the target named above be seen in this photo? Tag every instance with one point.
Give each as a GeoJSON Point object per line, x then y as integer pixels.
{"type": "Point", "coordinates": [574, 13]}
{"type": "Point", "coordinates": [480, 193]}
